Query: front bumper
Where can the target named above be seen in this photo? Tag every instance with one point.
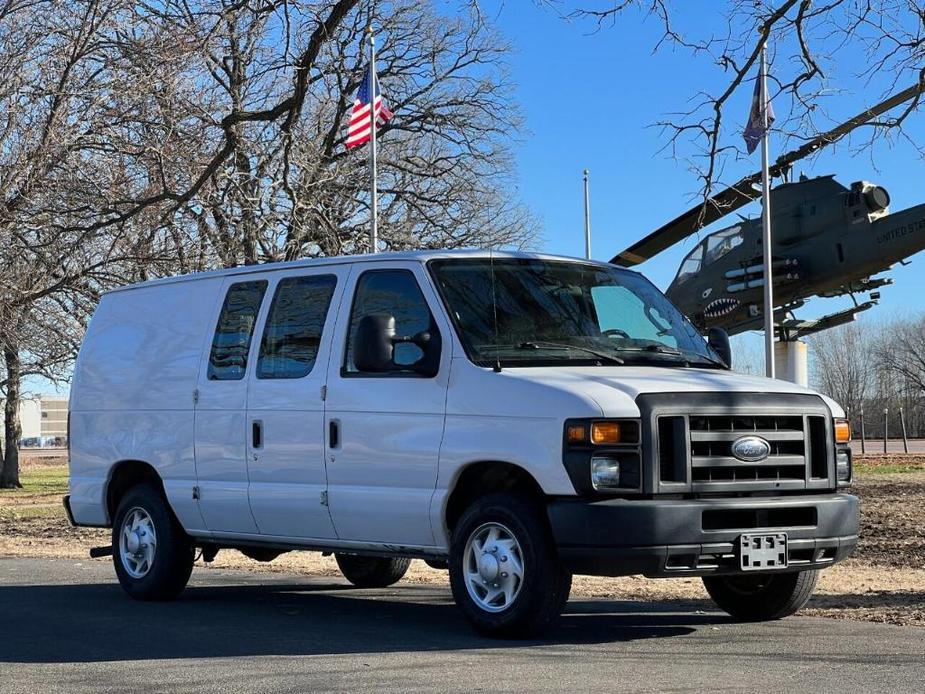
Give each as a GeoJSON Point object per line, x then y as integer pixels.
{"type": "Point", "coordinates": [678, 537]}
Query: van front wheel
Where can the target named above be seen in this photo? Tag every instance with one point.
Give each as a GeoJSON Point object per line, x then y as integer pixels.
{"type": "Point", "coordinates": [761, 597]}
{"type": "Point", "coordinates": [504, 570]}
{"type": "Point", "coordinates": [152, 554]}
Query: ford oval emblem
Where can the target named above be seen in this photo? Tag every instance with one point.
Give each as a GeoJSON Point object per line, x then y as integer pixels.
{"type": "Point", "coordinates": [751, 449]}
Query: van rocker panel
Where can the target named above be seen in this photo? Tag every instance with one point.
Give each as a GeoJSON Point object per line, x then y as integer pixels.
{"type": "Point", "coordinates": [662, 537]}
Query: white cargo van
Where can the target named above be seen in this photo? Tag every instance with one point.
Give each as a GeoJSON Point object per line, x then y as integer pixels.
{"type": "Point", "coordinates": [517, 418]}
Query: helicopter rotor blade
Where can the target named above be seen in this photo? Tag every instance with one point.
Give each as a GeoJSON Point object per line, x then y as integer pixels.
{"type": "Point", "coordinates": [742, 192]}
{"type": "Point", "coordinates": [694, 219]}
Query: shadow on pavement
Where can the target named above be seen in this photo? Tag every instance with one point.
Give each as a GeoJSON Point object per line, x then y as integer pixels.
{"type": "Point", "coordinates": [97, 622]}
{"type": "Point", "coordinates": [871, 599]}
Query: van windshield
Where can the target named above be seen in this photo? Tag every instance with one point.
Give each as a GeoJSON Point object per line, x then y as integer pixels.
{"type": "Point", "coordinates": [547, 312]}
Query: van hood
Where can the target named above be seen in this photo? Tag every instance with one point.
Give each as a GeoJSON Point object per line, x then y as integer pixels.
{"type": "Point", "coordinates": [615, 389]}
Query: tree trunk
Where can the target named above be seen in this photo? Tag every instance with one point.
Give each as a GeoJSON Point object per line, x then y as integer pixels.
{"type": "Point", "coordinates": [9, 476]}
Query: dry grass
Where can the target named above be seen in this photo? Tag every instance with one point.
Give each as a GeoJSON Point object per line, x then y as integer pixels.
{"type": "Point", "coordinates": [889, 463]}
{"type": "Point", "coordinates": [884, 582]}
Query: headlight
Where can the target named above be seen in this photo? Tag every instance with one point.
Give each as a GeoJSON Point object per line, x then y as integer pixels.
{"type": "Point", "coordinates": [616, 472]}
{"type": "Point", "coordinates": [605, 472]}
{"type": "Point", "coordinates": [603, 455]}
{"type": "Point", "coordinates": [843, 465]}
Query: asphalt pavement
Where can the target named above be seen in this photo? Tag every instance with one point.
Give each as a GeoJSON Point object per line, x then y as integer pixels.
{"type": "Point", "coordinates": [66, 626]}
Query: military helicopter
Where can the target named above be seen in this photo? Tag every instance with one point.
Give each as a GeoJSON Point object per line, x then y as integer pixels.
{"type": "Point", "coordinates": [829, 240]}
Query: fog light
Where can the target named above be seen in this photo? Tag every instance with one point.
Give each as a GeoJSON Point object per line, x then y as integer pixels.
{"type": "Point", "coordinates": [843, 465]}
{"type": "Point", "coordinates": [605, 473]}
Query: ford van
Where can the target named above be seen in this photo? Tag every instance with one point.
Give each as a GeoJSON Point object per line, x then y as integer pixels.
{"type": "Point", "coordinates": [514, 418]}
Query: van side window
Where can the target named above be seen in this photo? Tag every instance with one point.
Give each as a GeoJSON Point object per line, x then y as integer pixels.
{"type": "Point", "coordinates": [294, 326]}
{"type": "Point", "coordinates": [396, 293]}
{"type": "Point", "coordinates": [228, 358]}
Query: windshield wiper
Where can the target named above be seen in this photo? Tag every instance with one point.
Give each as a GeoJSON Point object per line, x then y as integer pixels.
{"type": "Point", "coordinates": [713, 362]}
{"type": "Point", "coordinates": [664, 349]}
{"type": "Point", "coordinates": [542, 344]}
{"type": "Point", "coordinates": [689, 357]}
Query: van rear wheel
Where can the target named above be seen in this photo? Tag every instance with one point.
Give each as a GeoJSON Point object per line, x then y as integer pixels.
{"type": "Point", "coordinates": [504, 570]}
{"type": "Point", "coordinates": [153, 556]}
{"type": "Point", "coordinates": [761, 597]}
{"type": "Point", "coordinates": [372, 572]}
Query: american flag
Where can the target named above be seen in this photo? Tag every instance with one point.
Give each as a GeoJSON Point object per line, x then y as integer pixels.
{"type": "Point", "coordinates": [358, 131]}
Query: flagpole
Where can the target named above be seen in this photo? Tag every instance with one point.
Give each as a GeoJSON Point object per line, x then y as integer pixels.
{"type": "Point", "coordinates": [766, 222]}
{"type": "Point", "coordinates": [374, 194]}
{"type": "Point", "coordinates": [587, 218]}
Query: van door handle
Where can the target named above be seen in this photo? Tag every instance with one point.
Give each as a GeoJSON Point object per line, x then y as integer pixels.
{"type": "Point", "coordinates": [333, 433]}
{"type": "Point", "coordinates": [257, 433]}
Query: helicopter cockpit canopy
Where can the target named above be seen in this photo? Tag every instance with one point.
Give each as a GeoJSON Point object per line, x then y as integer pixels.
{"type": "Point", "coordinates": [708, 251]}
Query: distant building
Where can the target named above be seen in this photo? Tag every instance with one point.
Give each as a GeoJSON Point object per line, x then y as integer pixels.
{"type": "Point", "coordinates": [30, 418]}
{"type": "Point", "coordinates": [43, 419]}
{"type": "Point", "coordinates": [54, 416]}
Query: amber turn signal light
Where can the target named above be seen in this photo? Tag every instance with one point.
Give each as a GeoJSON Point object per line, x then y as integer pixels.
{"type": "Point", "coordinates": [842, 431]}
{"type": "Point", "coordinates": [605, 432]}
{"type": "Point", "coordinates": [576, 433]}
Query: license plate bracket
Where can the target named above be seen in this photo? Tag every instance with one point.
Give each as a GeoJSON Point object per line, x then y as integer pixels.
{"type": "Point", "coordinates": [763, 551]}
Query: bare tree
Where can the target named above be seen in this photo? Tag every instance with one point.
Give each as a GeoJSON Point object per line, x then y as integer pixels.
{"type": "Point", "coordinates": [65, 103]}
{"type": "Point", "coordinates": [807, 42]}
{"type": "Point", "coordinates": [902, 353]}
{"type": "Point", "coordinates": [293, 190]}
{"type": "Point", "coordinates": [871, 367]}
{"type": "Point", "coordinates": [843, 364]}
{"type": "Point", "coordinates": [746, 357]}
{"type": "Point", "coordinates": [140, 139]}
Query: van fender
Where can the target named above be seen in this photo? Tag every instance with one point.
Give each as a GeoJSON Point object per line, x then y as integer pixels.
{"type": "Point", "coordinates": [532, 445]}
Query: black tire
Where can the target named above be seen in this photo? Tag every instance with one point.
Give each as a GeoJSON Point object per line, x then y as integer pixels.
{"type": "Point", "coordinates": [168, 572]}
{"type": "Point", "coordinates": [761, 597]}
{"type": "Point", "coordinates": [372, 572]}
{"type": "Point", "coordinates": [438, 564]}
{"type": "Point", "coordinates": [545, 585]}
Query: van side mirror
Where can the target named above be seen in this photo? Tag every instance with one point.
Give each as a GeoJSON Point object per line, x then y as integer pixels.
{"type": "Point", "coordinates": [374, 343]}
{"type": "Point", "coordinates": [718, 339]}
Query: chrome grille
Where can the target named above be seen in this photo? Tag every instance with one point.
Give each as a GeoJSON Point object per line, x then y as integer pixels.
{"type": "Point", "coordinates": [712, 461]}
{"type": "Point", "coordinates": [692, 435]}
{"type": "Point", "coordinates": [797, 453]}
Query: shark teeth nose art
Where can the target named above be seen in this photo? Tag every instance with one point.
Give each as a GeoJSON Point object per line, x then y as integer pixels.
{"type": "Point", "coordinates": [720, 307]}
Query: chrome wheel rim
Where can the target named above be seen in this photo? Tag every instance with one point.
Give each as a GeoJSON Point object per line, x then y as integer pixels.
{"type": "Point", "coordinates": [137, 542]}
{"type": "Point", "coordinates": [493, 567]}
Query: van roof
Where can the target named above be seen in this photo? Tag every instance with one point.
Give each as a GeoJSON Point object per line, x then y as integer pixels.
{"type": "Point", "coordinates": [418, 256]}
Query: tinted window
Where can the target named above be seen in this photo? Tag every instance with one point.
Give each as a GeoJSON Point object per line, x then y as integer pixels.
{"type": "Point", "coordinates": [620, 310]}
{"type": "Point", "coordinates": [294, 326]}
{"type": "Point", "coordinates": [395, 292]}
{"type": "Point", "coordinates": [228, 358]}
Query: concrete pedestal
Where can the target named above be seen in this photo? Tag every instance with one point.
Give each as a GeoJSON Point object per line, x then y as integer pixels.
{"type": "Point", "coordinates": [791, 362]}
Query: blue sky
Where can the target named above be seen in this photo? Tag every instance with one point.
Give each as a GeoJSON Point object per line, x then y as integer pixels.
{"type": "Point", "coordinates": [590, 99]}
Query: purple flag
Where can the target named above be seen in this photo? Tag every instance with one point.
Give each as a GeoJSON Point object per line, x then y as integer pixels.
{"type": "Point", "coordinates": [754, 130]}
